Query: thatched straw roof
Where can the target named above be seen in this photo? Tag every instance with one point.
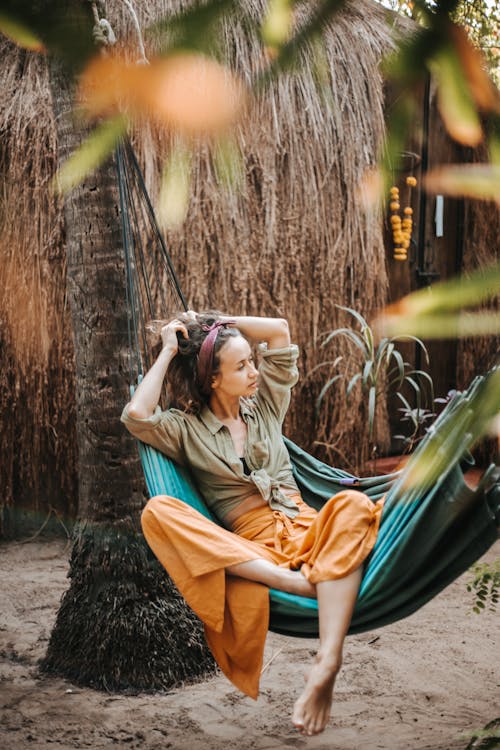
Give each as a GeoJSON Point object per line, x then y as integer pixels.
{"type": "Point", "coordinates": [294, 242]}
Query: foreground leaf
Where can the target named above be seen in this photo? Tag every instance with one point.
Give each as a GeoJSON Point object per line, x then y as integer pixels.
{"type": "Point", "coordinates": [455, 101]}
{"type": "Point", "coordinates": [228, 163]}
{"type": "Point", "coordinates": [20, 34]}
{"type": "Point", "coordinates": [480, 181]}
{"type": "Point", "coordinates": [277, 23]}
{"type": "Point", "coordinates": [461, 325]}
{"type": "Point", "coordinates": [91, 154]}
{"type": "Point", "coordinates": [482, 89]}
{"type": "Point", "coordinates": [174, 193]}
{"type": "Point", "coordinates": [450, 295]}
{"type": "Point", "coordinates": [192, 28]}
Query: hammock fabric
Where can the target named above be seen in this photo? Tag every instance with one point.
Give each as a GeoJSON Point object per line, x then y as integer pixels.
{"type": "Point", "coordinates": [431, 531]}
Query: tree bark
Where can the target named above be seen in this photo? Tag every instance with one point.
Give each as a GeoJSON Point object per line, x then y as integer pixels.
{"type": "Point", "coordinates": [121, 623]}
{"type": "Point", "coordinates": [110, 477]}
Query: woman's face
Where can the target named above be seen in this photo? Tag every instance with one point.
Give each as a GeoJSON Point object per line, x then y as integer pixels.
{"type": "Point", "coordinates": [237, 374]}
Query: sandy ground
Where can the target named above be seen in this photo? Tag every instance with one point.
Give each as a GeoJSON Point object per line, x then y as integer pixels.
{"type": "Point", "coordinates": [420, 684]}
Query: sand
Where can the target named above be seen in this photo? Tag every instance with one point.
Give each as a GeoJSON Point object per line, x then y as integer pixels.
{"type": "Point", "coordinates": [421, 684]}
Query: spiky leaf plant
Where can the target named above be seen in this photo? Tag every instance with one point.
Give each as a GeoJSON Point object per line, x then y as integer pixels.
{"type": "Point", "coordinates": [377, 369]}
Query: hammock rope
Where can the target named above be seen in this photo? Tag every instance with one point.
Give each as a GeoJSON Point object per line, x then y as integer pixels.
{"type": "Point", "coordinates": [146, 259]}
{"type": "Point", "coordinates": [430, 532]}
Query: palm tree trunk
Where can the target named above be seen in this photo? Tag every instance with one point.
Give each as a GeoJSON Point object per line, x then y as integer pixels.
{"type": "Point", "coordinates": [121, 623]}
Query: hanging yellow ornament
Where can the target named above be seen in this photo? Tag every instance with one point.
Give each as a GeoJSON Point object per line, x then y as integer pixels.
{"type": "Point", "coordinates": [401, 228]}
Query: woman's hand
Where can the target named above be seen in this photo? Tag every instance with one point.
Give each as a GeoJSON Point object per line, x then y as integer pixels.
{"type": "Point", "coordinates": [169, 333]}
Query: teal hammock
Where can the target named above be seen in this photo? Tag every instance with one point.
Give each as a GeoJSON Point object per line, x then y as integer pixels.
{"type": "Point", "coordinates": [430, 532]}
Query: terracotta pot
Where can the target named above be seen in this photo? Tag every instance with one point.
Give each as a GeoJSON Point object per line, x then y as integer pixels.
{"type": "Point", "coordinates": [386, 464]}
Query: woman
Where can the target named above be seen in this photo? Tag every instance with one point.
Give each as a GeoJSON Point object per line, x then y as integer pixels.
{"type": "Point", "coordinates": [228, 431]}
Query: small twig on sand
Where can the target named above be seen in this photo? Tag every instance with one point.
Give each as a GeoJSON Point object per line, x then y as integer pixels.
{"type": "Point", "coordinates": [273, 657]}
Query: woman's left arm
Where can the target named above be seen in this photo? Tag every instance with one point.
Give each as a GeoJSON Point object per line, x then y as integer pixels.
{"type": "Point", "coordinates": [274, 331]}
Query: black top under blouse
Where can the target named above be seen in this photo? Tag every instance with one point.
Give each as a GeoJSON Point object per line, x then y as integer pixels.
{"type": "Point", "coordinates": [246, 469]}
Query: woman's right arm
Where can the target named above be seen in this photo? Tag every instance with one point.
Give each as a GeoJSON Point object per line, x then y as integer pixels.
{"type": "Point", "coordinates": [147, 394]}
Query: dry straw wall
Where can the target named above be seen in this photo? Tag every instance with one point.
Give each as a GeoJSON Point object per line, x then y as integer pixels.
{"type": "Point", "coordinates": [37, 467]}
{"type": "Point", "coordinates": [294, 242]}
{"type": "Point", "coordinates": [481, 248]}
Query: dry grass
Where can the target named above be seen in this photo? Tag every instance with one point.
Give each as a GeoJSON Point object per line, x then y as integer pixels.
{"type": "Point", "coordinates": [36, 415]}
{"type": "Point", "coordinates": [294, 242]}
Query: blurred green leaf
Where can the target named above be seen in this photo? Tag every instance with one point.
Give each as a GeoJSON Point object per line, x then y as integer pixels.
{"type": "Point", "coordinates": [91, 154]}
{"type": "Point", "coordinates": [289, 53]}
{"type": "Point", "coordinates": [480, 181]}
{"type": "Point", "coordinates": [321, 71]}
{"type": "Point", "coordinates": [455, 101]}
{"type": "Point", "coordinates": [460, 325]}
{"type": "Point", "coordinates": [20, 34]}
{"type": "Point", "coordinates": [228, 163]}
{"type": "Point", "coordinates": [277, 23]}
{"type": "Point", "coordinates": [400, 119]}
{"type": "Point", "coordinates": [479, 286]}
{"type": "Point", "coordinates": [174, 193]}
{"type": "Point", "coordinates": [193, 28]}
{"type": "Point", "coordinates": [484, 93]}
{"type": "Point", "coordinates": [65, 29]}
{"type": "Point", "coordinates": [494, 146]}
{"type": "Point", "coordinates": [406, 66]}
{"type": "Point", "coordinates": [407, 71]}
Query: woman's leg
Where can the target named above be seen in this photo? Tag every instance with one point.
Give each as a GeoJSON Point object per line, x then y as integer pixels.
{"type": "Point", "coordinates": [283, 579]}
{"type": "Point", "coordinates": [336, 601]}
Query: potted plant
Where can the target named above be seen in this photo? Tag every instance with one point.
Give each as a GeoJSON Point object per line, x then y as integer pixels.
{"type": "Point", "coordinates": [378, 369]}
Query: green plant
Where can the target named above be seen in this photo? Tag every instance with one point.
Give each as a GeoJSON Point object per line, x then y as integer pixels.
{"type": "Point", "coordinates": [379, 369]}
{"type": "Point", "coordinates": [417, 418]}
{"type": "Point", "coordinates": [485, 584]}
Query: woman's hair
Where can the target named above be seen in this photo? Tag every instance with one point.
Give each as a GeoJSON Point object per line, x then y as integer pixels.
{"type": "Point", "coordinates": [182, 374]}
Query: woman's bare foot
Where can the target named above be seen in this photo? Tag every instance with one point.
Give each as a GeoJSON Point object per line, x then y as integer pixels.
{"type": "Point", "coordinates": [312, 709]}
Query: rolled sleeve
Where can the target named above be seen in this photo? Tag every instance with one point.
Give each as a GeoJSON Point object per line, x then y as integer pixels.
{"type": "Point", "coordinates": [278, 373]}
{"type": "Point", "coordinates": [162, 430]}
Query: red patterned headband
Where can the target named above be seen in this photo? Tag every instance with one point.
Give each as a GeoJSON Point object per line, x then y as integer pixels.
{"type": "Point", "coordinates": [206, 355]}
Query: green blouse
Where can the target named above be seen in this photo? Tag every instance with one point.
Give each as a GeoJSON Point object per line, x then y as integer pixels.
{"type": "Point", "coordinates": [204, 444]}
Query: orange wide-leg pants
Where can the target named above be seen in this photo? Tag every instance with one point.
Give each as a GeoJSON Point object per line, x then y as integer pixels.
{"type": "Point", "coordinates": [325, 545]}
